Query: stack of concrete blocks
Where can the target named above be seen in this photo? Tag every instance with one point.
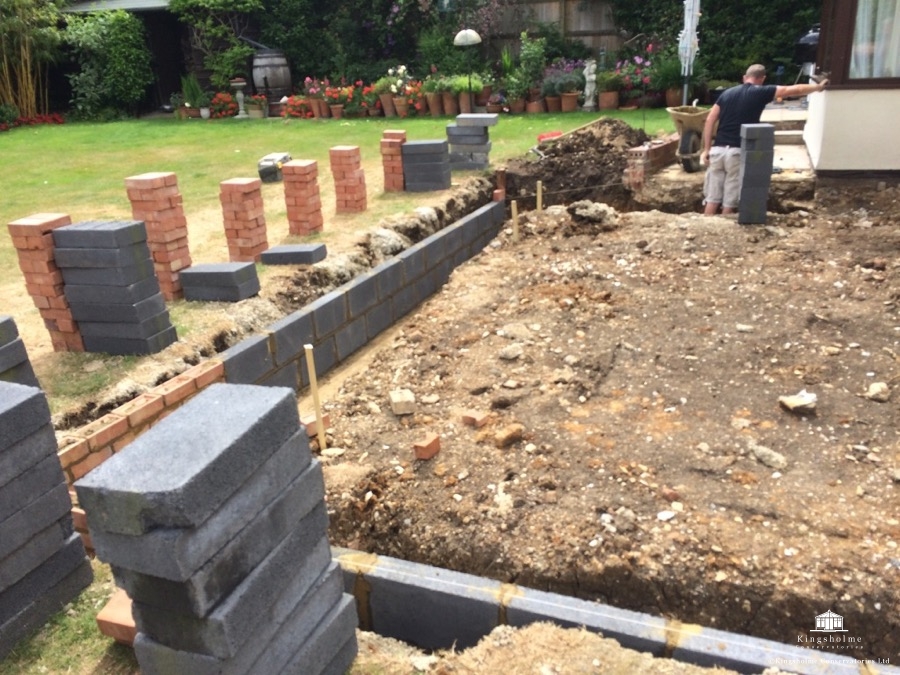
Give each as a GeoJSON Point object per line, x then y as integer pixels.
{"type": "Point", "coordinates": [349, 179]}
{"type": "Point", "coordinates": [757, 158]}
{"type": "Point", "coordinates": [295, 254]}
{"type": "Point", "coordinates": [302, 198]}
{"type": "Point", "coordinates": [245, 218]}
{"type": "Point", "coordinates": [111, 287]}
{"type": "Point", "coordinates": [470, 143]}
{"type": "Point", "coordinates": [426, 165]}
{"type": "Point", "coordinates": [392, 141]}
{"type": "Point", "coordinates": [220, 282]}
{"type": "Point", "coordinates": [42, 560]}
{"type": "Point", "coordinates": [214, 522]}
{"type": "Point", "coordinates": [14, 363]}
{"type": "Point", "coordinates": [33, 239]}
{"type": "Point", "coordinates": [156, 200]}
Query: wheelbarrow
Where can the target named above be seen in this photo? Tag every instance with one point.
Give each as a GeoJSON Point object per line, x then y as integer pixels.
{"type": "Point", "coordinates": [689, 121]}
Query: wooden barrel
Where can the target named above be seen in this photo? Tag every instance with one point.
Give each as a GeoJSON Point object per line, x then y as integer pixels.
{"type": "Point", "coordinates": [271, 74]}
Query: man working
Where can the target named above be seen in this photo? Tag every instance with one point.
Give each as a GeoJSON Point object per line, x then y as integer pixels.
{"type": "Point", "coordinates": [738, 105]}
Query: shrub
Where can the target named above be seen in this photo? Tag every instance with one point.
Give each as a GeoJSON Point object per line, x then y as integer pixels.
{"type": "Point", "coordinates": [223, 105]}
{"type": "Point", "coordinates": [8, 114]}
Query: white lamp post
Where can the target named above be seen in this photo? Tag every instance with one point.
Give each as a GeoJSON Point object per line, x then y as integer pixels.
{"type": "Point", "coordinates": [468, 38]}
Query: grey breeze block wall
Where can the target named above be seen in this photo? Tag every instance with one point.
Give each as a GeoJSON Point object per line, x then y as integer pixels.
{"type": "Point", "coordinates": [214, 522]}
{"type": "Point", "coordinates": [345, 319]}
{"type": "Point", "coordinates": [15, 366]}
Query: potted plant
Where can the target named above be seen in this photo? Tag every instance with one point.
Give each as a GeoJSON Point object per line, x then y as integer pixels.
{"type": "Point", "coordinates": [203, 102]}
{"type": "Point", "coordinates": [666, 77]}
{"type": "Point", "coordinates": [382, 88]}
{"type": "Point", "coordinates": [336, 98]}
{"type": "Point", "coordinates": [496, 102]}
{"type": "Point", "coordinates": [608, 85]}
{"type": "Point", "coordinates": [550, 90]}
{"type": "Point", "coordinates": [532, 60]}
{"type": "Point", "coordinates": [570, 86]}
{"type": "Point", "coordinates": [223, 105]}
{"type": "Point", "coordinates": [257, 106]}
{"type": "Point", "coordinates": [449, 99]}
{"type": "Point", "coordinates": [432, 94]}
{"type": "Point", "coordinates": [193, 94]}
{"type": "Point", "coordinates": [515, 87]}
{"type": "Point", "coordinates": [487, 88]}
{"type": "Point", "coordinates": [176, 101]}
{"type": "Point", "coordinates": [464, 86]}
{"type": "Point", "coordinates": [371, 104]}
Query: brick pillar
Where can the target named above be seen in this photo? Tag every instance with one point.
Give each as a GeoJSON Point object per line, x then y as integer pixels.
{"type": "Point", "coordinates": [392, 141]}
{"type": "Point", "coordinates": [33, 239]}
{"type": "Point", "coordinates": [301, 196]}
{"type": "Point", "coordinates": [155, 199]}
{"type": "Point", "coordinates": [245, 220]}
{"type": "Point", "coordinates": [349, 178]}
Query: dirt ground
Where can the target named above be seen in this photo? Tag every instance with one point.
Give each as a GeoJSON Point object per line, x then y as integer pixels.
{"type": "Point", "coordinates": [628, 370]}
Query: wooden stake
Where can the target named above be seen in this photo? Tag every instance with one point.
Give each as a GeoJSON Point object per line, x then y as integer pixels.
{"type": "Point", "coordinates": [540, 195]}
{"type": "Point", "coordinates": [515, 218]}
{"type": "Point", "coordinates": [314, 389]}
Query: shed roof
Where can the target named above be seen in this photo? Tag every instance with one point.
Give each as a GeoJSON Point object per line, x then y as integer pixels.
{"type": "Point", "coordinates": [130, 5]}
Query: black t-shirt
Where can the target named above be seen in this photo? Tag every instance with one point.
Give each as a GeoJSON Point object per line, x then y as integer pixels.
{"type": "Point", "coordinates": [739, 105]}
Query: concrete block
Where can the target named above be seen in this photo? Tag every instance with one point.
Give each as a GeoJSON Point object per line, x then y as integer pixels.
{"type": "Point", "coordinates": [328, 313]}
{"type": "Point", "coordinates": [388, 278]}
{"type": "Point", "coordinates": [33, 517]}
{"type": "Point", "coordinates": [362, 294]}
{"type": "Point", "coordinates": [21, 374]}
{"type": "Point", "coordinates": [43, 607]}
{"type": "Point", "coordinates": [108, 276]}
{"type": "Point", "coordinates": [403, 401]}
{"type": "Point", "coordinates": [429, 607]}
{"type": "Point", "coordinates": [8, 329]}
{"type": "Point", "coordinates": [244, 290]}
{"type": "Point", "coordinates": [99, 294]}
{"type": "Point", "coordinates": [130, 331]}
{"type": "Point", "coordinates": [405, 301]}
{"type": "Point", "coordinates": [100, 234]}
{"type": "Point", "coordinates": [294, 254]}
{"type": "Point", "coordinates": [324, 359]}
{"type": "Point", "coordinates": [184, 468]}
{"type": "Point", "coordinates": [222, 573]}
{"type": "Point", "coordinates": [436, 247]}
{"type": "Point", "coordinates": [133, 312]}
{"type": "Point", "coordinates": [286, 376]}
{"type": "Point", "coordinates": [414, 164]}
{"type": "Point", "coordinates": [286, 575]}
{"type": "Point", "coordinates": [413, 260]}
{"type": "Point", "coordinates": [477, 119]}
{"type": "Point", "coordinates": [428, 186]}
{"type": "Point", "coordinates": [54, 569]}
{"type": "Point", "coordinates": [378, 319]}
{"type": "Point", "coordinates": [12, 354]}
{"type": "Point", "coordinates": [131, 255]}
{"type": "Point", "coordinates": [25, 453]}
{"type": "Point", "coordinates": [218, 274]}
{"type": "Point", "coordinates": [350, 338]}
{"type": "Point", "coordinates": [247, 361]}
{"type": "Point", "coordinates": [41, 478]}
{"type": "Point", "coordinates": [290, 334]}
{"type": "Point", "coordinates": [125, 346]}
{"type": "Point", "coordinates": [472, 150]}
{"type": "Point", "coordinates": [23, 410]}
{"type": "Point", "coordinates": [469, 165]}
{"type": "Point", "coordinates": [424, 147]}
{"type": "Point", "coordinates": [466, 134]}
{"type": "Point", "coordinates": [269, 647]}
{"type": "Point", "coordinates": [760, 131]}
{"type": "Point", "coordinates": [336, 634]}
{"type": "Point", "coordinates": [34, 552]}
{"type": "Point", "coordinates": [176, 553]}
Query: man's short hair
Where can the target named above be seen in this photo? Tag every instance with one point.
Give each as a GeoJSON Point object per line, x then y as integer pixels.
{"type": "Point", "coordinates": [756, 71]}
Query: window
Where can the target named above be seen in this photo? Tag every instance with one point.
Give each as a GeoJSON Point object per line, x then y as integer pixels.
{"type": "Point", "coordinates": [875, 51]}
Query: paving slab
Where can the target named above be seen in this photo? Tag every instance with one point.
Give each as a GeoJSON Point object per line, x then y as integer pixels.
{"type": "Point", "coordinates": [39, 479]}
{"type": "Point", "coordinates": [23, 410]}
{"type": "Point", "coordinates": [33, 517]}
{"type": "Point", "coordinates": [100, 234]}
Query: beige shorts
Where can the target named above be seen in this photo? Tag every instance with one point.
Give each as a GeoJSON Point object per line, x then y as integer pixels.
{"type": "Point", "coordinates": [722, 184]}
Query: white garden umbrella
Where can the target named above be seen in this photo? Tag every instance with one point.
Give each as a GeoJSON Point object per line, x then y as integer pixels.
{"type": "Point", "coordinates": [687, 43]}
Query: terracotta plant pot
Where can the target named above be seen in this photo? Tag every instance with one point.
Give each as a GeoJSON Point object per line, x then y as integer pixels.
{"type": "Point", "coordinates": [401, 106]}
{"type": "Point", "coordinates": [673, 97]}
{"type": "Point", "coordinates": [569, 101]}
{"type": "Point", "coordinates": [465, 102]}
{"type": "Point", "coordinates": [554, 103]}
{"type": "Point", "coordinates": [608, 100]}
{"type": "Point", "coordinates": [337, 111]}
{"type": "Point", "coordinates": [435, 104]}
{"type": "Point", "coordinates": [533, 107]}
{"type": "Point", "coordinates": [451, 103]}
{"type": "Point", "coordinates": [494, 108]}
{"type": "Point", "coordinates": [517, 106]}
{"type": "Point", "coordinates": [387, 104]}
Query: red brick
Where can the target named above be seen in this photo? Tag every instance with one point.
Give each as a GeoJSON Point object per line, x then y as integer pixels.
{"type": "Point", "coordinates": [398, 134]}
{"type": "Point", "coordinates": [100, 433]}
{"type": "Point", "coordinates": [92, 461]}
{"type": "Point", "coordinates": [115, 619]}
{"type": "Point", "coordinates": [309, 421]}
{"type": "Point", "coordinates": [38, 223]}
{"type": "Point", "coordinates": [140, 409]}
{"type": "Point", "coordinates": [475, 418]}
{"type": "Point", "coordinates": [207, 372]}
{"type": "Point", "coordinates": [428, 447]}
{"type": "Point", "coordinates": [176, 390]}
{"type": "Point", "coordinates": [79, 519]}
{"type": "Point", "coordinates": [74, 453]}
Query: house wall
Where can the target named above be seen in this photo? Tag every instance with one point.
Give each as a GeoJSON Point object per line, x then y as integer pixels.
{"type": "Point", "coordinates": [853, 130]}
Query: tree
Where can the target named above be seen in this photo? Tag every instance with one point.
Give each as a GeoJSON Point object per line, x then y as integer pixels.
{"type": "Point", "coordinates": [217, 30]}
{"type": "Point", "coordinates": [114, 62]}
{"type": "Point", "coordinates": [29, 38]}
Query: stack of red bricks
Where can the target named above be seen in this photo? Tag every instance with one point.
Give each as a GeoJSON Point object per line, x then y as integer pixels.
{"type": "Point", "coordinates": [245, 218]}
{"type": "Point", "coordinates": [156, 200]}
{"type": "Point", "coordinates": [33, 239]}
{"type": "Point", "coordinates": [349, 178]}
{"type": "Point", "coordinates": [648, 159]}
{"type": "Point", "coordinates": [392, 141]}
{"type": "Point", "coordinates": [301, 196]}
